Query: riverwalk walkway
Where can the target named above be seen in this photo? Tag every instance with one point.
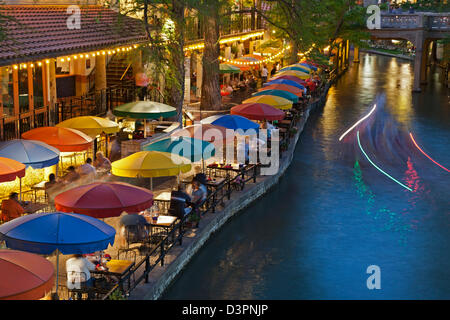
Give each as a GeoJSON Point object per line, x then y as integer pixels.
{"type": "Point", "coordinates": [180, 255]}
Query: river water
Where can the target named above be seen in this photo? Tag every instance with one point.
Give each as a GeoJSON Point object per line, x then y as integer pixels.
{"type": "Point", "coordinates": [334, 214]}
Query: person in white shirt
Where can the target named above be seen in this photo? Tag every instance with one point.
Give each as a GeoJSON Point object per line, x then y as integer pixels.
{"type": "Point", "coordinates": [87, 169]}
{"type": "Point", "coordinates": [264, 74]}
{"type": "Point", "coordinates": [78, 270]}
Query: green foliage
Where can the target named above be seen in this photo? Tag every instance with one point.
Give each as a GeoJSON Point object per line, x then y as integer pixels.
{"type": "Point", "coordinates": [317, 22]}
{"type": "Point", "coordinates": [117, 295]}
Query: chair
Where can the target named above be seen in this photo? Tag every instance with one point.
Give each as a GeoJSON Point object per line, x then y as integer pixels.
{"type": "Point", "coordinates": [75, 286]}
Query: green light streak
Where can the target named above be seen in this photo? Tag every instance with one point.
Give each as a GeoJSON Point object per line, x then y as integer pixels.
{"type": "Point", "coordinates": [379, 169]}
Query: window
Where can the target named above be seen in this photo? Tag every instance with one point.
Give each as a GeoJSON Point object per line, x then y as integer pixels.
{"type": "Point", "coordinates": [38, 90]}
{"type": "Point", "coordinates": [24, 105]}
{"type": "Point", "coordinates": [6, 90]}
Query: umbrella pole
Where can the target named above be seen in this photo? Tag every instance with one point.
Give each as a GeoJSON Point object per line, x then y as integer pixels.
{"type": "Point", "coordinates": [145, 128]}
{"type": "Point", "coordinates": [57, 271]}
{"type": "Point", "coordinates": [20, 189]}
{"type": "Point", "coordinates": [151, 183]}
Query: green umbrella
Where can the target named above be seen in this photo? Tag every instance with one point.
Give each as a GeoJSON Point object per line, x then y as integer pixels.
{"type": "Point", "coordinates": [193, 149]}
{"type": "Point", "coordinates": [228, 68]}
{"type": "Point", "coordinates": [144, 110]}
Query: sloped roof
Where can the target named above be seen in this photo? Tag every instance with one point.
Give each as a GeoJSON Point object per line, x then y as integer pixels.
{"type": "Point", "coordinates": [35, 32]}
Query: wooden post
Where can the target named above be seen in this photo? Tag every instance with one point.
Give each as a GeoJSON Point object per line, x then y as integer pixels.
{"type": "Point", "coordinates": [53, 95]}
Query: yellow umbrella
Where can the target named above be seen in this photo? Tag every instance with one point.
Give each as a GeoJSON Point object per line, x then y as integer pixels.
{"type": "Point", "coordinates": [294, 73]}
{"type": "Point", "coordinates": [150, 164]}
{"type": "Point", "coordinates": [90, 125]}
{"type": "Point", "coordinates": [275, 101]}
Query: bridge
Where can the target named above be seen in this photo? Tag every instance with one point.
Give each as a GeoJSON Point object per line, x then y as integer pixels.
{"type": "Point", "coordinates": [421, 29]}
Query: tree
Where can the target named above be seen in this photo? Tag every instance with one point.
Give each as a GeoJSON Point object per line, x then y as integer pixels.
{"type": "Point", "coordinates": [213, 14]}
{"type": "Point", "coordinates": [164, 23]}
{"type": "Point", "coordinates": [315, 24]}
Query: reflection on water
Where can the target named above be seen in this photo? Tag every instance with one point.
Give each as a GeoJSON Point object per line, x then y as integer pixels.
{"type": "Point", "coordinates": [333, 213]}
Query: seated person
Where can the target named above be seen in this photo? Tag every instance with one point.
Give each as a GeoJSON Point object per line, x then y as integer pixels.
{"type": "Point", "coordinates": [51, 186]}
{"type": "Point", "coordinates": [11, 208]}
{"type": "Point", "coordinates": [87, 169]}
{"type": "Point", "coordinates": [71, 176]}
{"type": "Point", "coordinates": [78, 273]}
{"type": "Point", "coordinates": [198, 194]}
{"type": "Point", "coordinates": [199, 175]}
{"type": "Point", "coordinates": [180, 202]}
{"type": "Point", "coordinates": [101, 162]}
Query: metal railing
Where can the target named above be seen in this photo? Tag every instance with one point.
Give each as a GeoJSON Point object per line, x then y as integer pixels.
{"type": "Point", "coordinates": [427, 21]}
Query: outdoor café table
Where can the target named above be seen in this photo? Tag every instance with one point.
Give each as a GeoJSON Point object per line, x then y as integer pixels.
{"type": "Point", "coordinates": [118, 269]}
{"type": "Point", "coordinates": [216, 183]}
{"type": "Point", "coordinates": [38, 187]}
{"type": "Point", "coordinates": [33, 207]}
{"type": "Point", "coordinates": [164, 222]}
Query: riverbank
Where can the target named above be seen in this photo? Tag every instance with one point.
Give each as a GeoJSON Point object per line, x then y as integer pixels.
{"type": "Point", "coordinates": [162, 276]}
{"type": "Point", "coordinates": [387, 54]}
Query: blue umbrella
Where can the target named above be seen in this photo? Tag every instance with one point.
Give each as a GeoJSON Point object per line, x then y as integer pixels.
{"type": "Point", "coordinates": [35, 154]}
{"type": "Point", "coordinates": [193, 149]}
{"type": "Point", "coordinates": [280, 93]}
{"type": "Point", "coordinates": [231, 121]}
{"type": "Point", "coordinates": [295, 68]}
{"type": "Point", "coordinates": [284, 81]}
{"type": "Point", "coordinates": [308, 65]}
{"type": "Point", "coordinates": [69, 233]}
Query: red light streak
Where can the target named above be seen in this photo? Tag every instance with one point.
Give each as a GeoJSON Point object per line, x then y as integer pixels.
{"type": "Point", "coordinates": [414, 141]}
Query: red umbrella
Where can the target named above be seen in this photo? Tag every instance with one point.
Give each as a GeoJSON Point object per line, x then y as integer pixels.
{"type": "Point", "coordinates": [104, 199]}
{"type": "Point", "coordinates": [258, 111]}
{"type": "Point", "coordinates": [24, 275]}
{"type": "Point", "coordinates": [10, 169]}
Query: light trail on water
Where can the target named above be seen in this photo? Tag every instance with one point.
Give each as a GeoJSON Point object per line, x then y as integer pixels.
{"type": "Point", "coordinates": [426, 155]}
{"type": "Point", "coordinates": [358, 122]}
{"type": "Point", "coordinates": [379, 169]}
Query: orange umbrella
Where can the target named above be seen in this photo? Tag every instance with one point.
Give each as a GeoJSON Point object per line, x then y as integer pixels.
{"type": "Point", "coordinates": [284, 87]}
{"type": "Point", "coordinates": [24, 275]}
{"type": "Point", "coordinates": [64, 139]}
{"type": "Point", "coordinates": [11, 169]}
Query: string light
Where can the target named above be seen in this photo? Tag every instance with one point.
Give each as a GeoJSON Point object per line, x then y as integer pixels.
{"type": "Point", "coordinates": [201, 45]}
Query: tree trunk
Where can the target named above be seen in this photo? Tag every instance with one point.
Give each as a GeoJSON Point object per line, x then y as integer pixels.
{"type": "Point", "coordinates": [211, 98]}
{"type": "Point", "coordinates": [293, 58]}
{"type": "Point", "coordinates": [177, 56]}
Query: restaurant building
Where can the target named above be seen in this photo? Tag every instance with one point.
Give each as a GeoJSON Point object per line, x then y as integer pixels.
{"type": "Point", "coordinates": [57, 62]}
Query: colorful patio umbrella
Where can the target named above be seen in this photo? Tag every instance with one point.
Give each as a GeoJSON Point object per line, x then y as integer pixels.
{"type": "Point", "coordinates": [104, 199]}
{"type": "Point", "coordinates": [297, 74]}
{"type": "Point", "coordinates": [69, 233]}
{"type": "Point", "coordinates": [228, 68]}
{"type": "Point", "coordinates": [284, 81]}
{"type": "Point", "coordinates": [193, 149]}
{"type": "Point", "coordinates": [296, 68]}
{"type": "Point", "coordinates": [63, 139]}
{"type": "Point", "coordinates": [90, 125]}
{"type": "Point", "coordinates": [297, 91]}
{"type": "Point", "coordinates": [275, 101]}
{"type": "Point", "coordinates": [150, 164]}
{"type": "Point", "coordinates": [35, 154]}
{"type": "Point", "coordinates": [144, 110]}
{"type": "Point", "coordinates": [24, 276]}
{"type": "Point", "coordinates": [206, 132]}
{"type": "Point", "coordinates": [233, 122]}
{"type": "Point", "coordinates": [258, 111]}
{"type": "Point", "coordinates": [301, 82]}
{"type": "Point", "coordinates": [11, 169]}
{"type": "Point", "coordinates": [284, 94]}
{"type": "Point", "coordinates": [308, 65]}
